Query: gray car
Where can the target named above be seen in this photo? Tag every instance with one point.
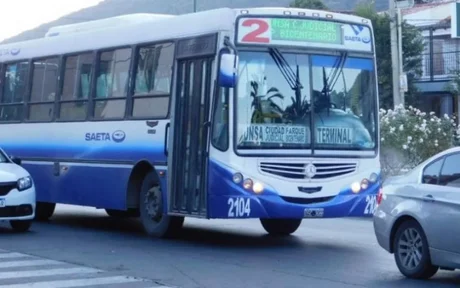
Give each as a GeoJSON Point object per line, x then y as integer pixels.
{"type": "Point", "coordinates": [418, 216]}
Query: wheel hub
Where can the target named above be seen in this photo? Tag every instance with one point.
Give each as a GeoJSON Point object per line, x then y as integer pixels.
{"type": "Point", "coordinates": [152, 203]}
{"type": "Point", "coordinates": [410, 250]}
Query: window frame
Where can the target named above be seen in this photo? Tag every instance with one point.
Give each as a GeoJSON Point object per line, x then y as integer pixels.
{"type": "Point", "coordinates": [90, 101]}
{"type": "Point", "coordinates": [443, 163]}
{"type": "Point", "coordinates": [127, 98]}
{"type": "Point", "coordinates": [26, 90]}
{"type": "Point", "coordinates": [133, 97]}
{"type": "Point", "coordinates": [428, 165]}
{"type": "Point", "coordinates": [30, 84]}
{"type": "Point", "coordinates": [61, 87]}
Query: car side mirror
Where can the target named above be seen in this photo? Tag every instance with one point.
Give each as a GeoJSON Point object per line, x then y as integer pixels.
{"type": "Point", "coordinates": [16, 160]}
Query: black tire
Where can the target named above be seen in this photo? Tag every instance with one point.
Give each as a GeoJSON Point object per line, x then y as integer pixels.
{"type": "Point", "coordinates": [281, 227]}
{"type": "Point", "coordinates": [44, 211]}
{"type": "Point", "coordinates": [20, 225]}
{"type": "Point", "coordinates": [130, 213]}
{"type": "Point", "coordinates": [417, 245]}
{"type": "Point", "coordinates": [155, 221]}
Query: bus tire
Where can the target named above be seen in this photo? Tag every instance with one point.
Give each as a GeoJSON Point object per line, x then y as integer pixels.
{"type": "Point", "coordinates": [44, 211]}
{"type": "Point", "coordinates": [281, 227]}
{"type": "Point", "coordinates": [154, 219]}
{"type": "Point", "coordinates": [130, 213]}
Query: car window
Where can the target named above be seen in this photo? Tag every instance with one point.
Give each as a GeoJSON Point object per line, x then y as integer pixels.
{"type": "Point", "coordinates": [2, 157]}
{"type": "Point", "coordinates": [450, 174]}
{"type": "Point", "coordinates": [432, 171]}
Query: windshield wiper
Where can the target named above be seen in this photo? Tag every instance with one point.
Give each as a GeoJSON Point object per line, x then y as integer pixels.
{"type": "Point", "coordinates": [292, 78]}
{"type": "Point", "coordinates": [330, 81]}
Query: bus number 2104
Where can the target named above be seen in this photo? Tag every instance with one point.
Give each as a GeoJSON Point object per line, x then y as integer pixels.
{"type": "Point", "coordinates": [239, 207]}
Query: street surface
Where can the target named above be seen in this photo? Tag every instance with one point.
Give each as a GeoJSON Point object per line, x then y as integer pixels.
{"type": "Point", "coordinates": [83, 247]}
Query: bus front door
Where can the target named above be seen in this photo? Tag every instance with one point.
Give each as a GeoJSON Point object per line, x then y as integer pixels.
{"type": "Point", "coordinates": [187, 162]}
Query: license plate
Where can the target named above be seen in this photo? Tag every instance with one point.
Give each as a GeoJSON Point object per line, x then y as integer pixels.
{"type": "Point", "coordinates": [2, 202]}
{"type": "Point", "coordinates": [313, 212]}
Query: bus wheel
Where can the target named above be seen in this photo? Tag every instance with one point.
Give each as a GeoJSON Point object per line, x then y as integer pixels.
{"type": "Point", "coordinates": [280, 226]}
{"type": "Point", "coordinates": [130, 213]}
{"type": "Point", "coordinates": [44, 211]}
{"type": "Point", "coordinates": [155, 221]}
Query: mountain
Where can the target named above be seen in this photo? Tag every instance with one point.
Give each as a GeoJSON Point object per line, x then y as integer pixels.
{"type": "Point", "coordinates": [110, 8]}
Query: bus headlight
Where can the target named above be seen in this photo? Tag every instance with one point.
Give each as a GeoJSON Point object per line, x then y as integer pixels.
{"type": "Point", "coordinates": [364, 184]}
{"type": "Point", "coordinates": [237, 178]}
{"type": "Point", "coordinates": [247, 184]}
{"type": "Point", "coordinates": [258, 188]}
{"type": "Point", "coordinates": [356, 187]}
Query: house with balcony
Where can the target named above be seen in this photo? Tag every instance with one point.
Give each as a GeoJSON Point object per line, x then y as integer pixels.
{"type": "Point", "coordinates": [441, 57]}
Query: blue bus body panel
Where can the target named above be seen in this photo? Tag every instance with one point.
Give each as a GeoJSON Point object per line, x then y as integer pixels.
{"type": "Point", "coordinates": [224, 193]}
{"type": "Point", "coordinates": [94, 166]}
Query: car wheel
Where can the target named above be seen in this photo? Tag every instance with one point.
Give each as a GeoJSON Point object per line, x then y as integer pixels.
{"type": "Point", "coordinates": [281, 226]}
{"type": "Point", "coordinates": [20, 225]}
{"type": "Point", "coordinates": [411, 251]}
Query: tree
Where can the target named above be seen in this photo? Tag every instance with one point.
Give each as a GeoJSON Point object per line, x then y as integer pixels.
{"type": "Point", "coordinates": [413, 46]}
{"type": "Point", "coordinates": [309, 4]}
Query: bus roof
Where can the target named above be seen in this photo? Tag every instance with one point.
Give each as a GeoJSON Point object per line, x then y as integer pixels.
{"type": "Point", "coordinates": [143, 28]}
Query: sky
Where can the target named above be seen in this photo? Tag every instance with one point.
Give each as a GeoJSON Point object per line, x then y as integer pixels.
{"type": "Point", "coordinates": [23, 15]}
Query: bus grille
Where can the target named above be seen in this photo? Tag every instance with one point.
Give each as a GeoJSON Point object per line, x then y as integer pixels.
{"type": "Point", "coordinates": [5, 188]}
{"type": "Point", "coordinates": [324, 170]}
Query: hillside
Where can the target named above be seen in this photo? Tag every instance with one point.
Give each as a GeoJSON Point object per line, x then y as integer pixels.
{"type": "Point", "coordinates": [110, 8]}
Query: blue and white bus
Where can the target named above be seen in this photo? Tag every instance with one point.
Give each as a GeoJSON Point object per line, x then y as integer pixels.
{"type": "Point", "coordinates": [268, 113]}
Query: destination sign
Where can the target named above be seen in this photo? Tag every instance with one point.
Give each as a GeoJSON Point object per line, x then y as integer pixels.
{"type": "Point", "coordinates": [302, 32]}
{"type": "Point", "coordinates": [282, 134]}
{"type": "Point", "coordinates": [306, 30]}
{"type": "Point", "coordinates": [334, 135]}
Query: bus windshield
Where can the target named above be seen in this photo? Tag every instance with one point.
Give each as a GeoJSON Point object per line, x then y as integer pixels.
{"type": "Point", "coordinates": [276, 96]}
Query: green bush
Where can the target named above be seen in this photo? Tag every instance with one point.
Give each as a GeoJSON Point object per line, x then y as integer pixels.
{"type": "Point", "coordinates": [409, 137]}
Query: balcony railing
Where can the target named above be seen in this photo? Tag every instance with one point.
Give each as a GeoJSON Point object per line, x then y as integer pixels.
{"type": "Point", "coordinates": [440, 66]}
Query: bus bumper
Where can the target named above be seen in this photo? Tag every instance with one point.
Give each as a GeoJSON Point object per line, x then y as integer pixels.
{"type": "Point", "coordinates": [230, 200]}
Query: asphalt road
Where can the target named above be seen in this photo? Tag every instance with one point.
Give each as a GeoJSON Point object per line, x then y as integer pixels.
{"type": "Point", "coordinates": [80, 245]}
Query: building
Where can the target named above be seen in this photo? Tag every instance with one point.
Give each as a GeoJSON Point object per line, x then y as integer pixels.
{"type": "Point", "coordinates": [441, 57]}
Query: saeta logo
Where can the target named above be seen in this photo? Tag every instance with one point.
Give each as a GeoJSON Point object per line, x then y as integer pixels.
{"type": "Point", "coordinates": [357, 30]}
{"type": "Point", "coordinates": [118, 136]}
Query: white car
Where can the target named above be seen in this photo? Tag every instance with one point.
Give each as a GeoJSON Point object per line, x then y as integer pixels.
{"type": "Point", "coordinates": [17, 194]}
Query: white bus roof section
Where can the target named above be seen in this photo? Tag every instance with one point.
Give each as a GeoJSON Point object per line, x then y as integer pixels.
{"type": "Point", "coordinates": [111, 22]}
{"type": "Point", "coordinates": [146, 29]}
{"type": "Point", "coordinates": [187, 25]}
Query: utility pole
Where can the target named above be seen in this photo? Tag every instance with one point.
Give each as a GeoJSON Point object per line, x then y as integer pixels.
{"type": "Point", "coordinates": [400, 57]}
{"type": "Point", "coordinates": [394, 53]}
{"type": "Point", "coordinates": [194, 6]}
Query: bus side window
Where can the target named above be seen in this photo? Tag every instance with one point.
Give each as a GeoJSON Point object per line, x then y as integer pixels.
{"type": "Point", "coordinates": [220, 138]}
{"type": "Point", "coordinates": [112, 84]}
{"type": "Point", "coordinates": [14, 89]}
{"type": "Point", "coordinates": [44, 88]}
{"type": "Point", "coordinates": [153, 80]}
{"type": "Point", "coordinates": [76, 87]}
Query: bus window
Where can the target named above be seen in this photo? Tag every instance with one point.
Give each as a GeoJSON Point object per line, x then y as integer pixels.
{"type": "Point", "coordinates": [220, 128]}
{"type": "Point", "coordinates": [14, 88]}
{"type": "Point", "coordinates": [153, 80]}
{"type": "Point", "coordinates": [112, 82]}
{"type": "Point", "coordinates": [74, 96]}
{"type": "Point", "coordinates": [44, 87]}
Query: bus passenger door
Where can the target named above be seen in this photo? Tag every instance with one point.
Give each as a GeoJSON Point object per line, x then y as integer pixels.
{"type": "Point", "coordinates": [187, 160]}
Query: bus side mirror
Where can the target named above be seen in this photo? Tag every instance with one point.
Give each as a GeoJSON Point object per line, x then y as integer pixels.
{"type": "Point", "coordinates": [228, 70]}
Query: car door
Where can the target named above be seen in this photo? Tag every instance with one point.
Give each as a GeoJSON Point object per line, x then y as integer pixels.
{"type": "Point", "coordinates": [441, 203]}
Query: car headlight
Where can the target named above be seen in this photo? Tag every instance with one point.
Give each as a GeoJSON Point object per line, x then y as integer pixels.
{"type": "Point", "coordinates": [24, 183]}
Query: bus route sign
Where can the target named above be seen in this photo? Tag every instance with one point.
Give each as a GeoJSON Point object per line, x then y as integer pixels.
{"type": "Point", "coordinates": [306, 30]}
{"type": "Point", "coordinates": [301, 32]}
